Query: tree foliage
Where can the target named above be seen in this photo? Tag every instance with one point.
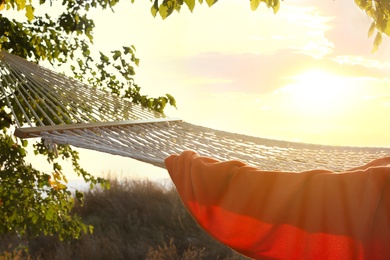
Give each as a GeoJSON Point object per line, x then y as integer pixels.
{"type": "Point", "coordinates": [34, 202]}
{"type": "Point", "coordinates": [166, 7]}
{"type": "Point", "coordinates": [377, 10]}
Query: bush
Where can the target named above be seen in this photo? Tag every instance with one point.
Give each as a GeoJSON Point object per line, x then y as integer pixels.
{"type": "Point", "coordinates": [132, 220]}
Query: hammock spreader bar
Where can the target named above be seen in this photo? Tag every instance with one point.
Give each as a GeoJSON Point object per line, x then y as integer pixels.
{"type": "Point", "coordinates": [33, 132]}
{"type": "Point", "coordinates": [64, 111]}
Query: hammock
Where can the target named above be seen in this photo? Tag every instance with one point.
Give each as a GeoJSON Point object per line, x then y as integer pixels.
{"type": "Point", "coordinates": [272, 213]}
{"type": "Point", "coordinates": [64, 111]}
{"type": "Point", "coordinates": [316, 214]}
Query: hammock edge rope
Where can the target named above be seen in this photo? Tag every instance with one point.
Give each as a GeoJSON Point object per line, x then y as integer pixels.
{"type": "Point", "coordinates": [104, 122]}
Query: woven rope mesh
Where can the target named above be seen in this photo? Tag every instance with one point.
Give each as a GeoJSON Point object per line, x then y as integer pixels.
{"type": "Point", "coordinates": [43, 97]}
{"type": "Point", "coordinates": [152, 143]}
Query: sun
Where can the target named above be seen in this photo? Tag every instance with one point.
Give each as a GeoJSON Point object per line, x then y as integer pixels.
{"type": "Point", "coordinates": [317, 93]}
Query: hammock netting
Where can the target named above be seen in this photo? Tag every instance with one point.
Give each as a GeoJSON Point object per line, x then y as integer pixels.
{"type": "Point", "coordinates": [64, 111]}
{"type": "Point", "coordinates": [290, 205]}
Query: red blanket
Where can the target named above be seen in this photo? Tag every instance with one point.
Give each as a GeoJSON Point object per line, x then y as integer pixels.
{"type": "Point", "coordinates": [315, 214]}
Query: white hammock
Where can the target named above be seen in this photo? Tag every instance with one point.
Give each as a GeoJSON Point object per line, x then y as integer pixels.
{"type": "Point", "coordinates": [64, 111]}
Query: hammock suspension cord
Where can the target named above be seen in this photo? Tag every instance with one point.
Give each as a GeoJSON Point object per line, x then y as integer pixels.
{"type": "Point", "coordinates": [64, 111]}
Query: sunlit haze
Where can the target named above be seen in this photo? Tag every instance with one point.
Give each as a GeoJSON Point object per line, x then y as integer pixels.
{"type": "Point", "coordinates": [302, 74]}
{"type": "Point", "coordinates": [305, 74]}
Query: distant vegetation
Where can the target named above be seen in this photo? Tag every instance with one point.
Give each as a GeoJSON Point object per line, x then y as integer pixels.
{"type": "Point", "coordinates": [132, 220]}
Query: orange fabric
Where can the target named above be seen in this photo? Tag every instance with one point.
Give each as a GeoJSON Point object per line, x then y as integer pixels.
{"type": "Point", "coordinates": [314, 214]}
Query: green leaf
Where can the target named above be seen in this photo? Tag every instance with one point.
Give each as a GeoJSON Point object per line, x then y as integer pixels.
{"type": "Point", "coordinates": [117, 54]}
{"type": "Point", "coordinates": [24, 142]}
{"type": "Point", "coordinates": [127, 50]}
{"type": "Point", "coordinates": [371, 30]}
{"type": "Point", "coordinates": [276, 6]}
{"type": "Point", "coordinates": [255, 4]}
{"type": "Point", "coordinates": [172, 100]}
{"type": "Point", "coordinates": [190, 4]}
{"type": "Point", "coordinates": [84, 228]}
{"type": "Point", "coordinates": [377, 42]}
{"type": "Point", "coordinates": [154, 9]}
{"type": "Point", "coordinates": [166, 8]}
{"type": "Point", "coordinates": [211, 2]}
{"type": "Point", "coordinates": [34, 218]}
{"type": "Point", "coordinates": [49, 213]}
{"type": "Point", "coordinates": [21, 4]}
{"type": "Point", "coordinates": [30, 12]}
{"type": "Point", "coordinates": [104, 58]}
{"type": "Point", "coordinates": [386, 27]}
{"type": "Point", "coordinates": [79, 196]}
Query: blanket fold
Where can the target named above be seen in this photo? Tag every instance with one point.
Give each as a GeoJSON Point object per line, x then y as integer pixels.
{"type": "Point", "coordinates": [315, 214]}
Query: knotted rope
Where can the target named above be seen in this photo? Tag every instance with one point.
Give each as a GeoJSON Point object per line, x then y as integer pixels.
{"type": "Point", "coordinates": [64, 111]}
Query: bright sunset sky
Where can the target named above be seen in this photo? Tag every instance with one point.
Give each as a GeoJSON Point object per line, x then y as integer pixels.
{"type": "Point", "coordinates": [305, 74]}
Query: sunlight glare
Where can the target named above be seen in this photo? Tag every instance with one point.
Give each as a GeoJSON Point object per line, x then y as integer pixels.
{"type": "Point", "coordinates": [318, 93]}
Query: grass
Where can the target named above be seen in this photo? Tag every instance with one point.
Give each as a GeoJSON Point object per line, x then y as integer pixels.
{"type": "Point", "coordinates": [132, 220]}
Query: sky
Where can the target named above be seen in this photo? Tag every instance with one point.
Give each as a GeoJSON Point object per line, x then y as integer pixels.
{"type": "Point", "coordinates": [304, 74]}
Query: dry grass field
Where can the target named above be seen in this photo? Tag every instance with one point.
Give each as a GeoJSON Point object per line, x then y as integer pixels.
{"type": "Point", "coordinates": [132, 220]}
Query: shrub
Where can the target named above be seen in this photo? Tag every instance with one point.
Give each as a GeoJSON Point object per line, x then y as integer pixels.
{"type": "Point", "coordinates": [132, 220]}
